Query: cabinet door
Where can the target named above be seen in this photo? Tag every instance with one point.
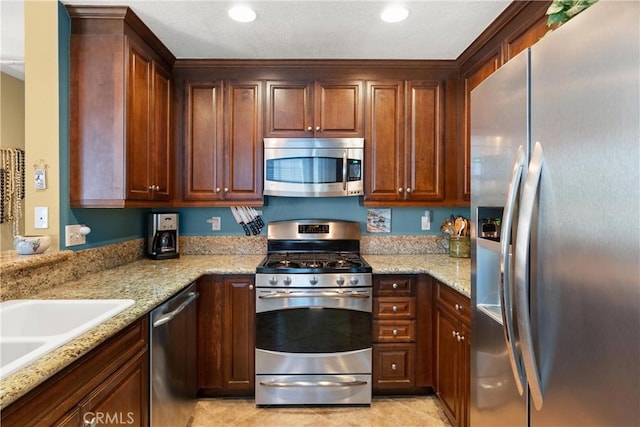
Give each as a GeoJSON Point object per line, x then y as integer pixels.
{"type": "Point", "coordinates": [447, 363]}
{"type": "Point", "coordinates": [138, 119]}
{"type": "Point", "coordinates": [226, 336]}
{"type": "Point", "coordinates": [122, 398]}
{"type": "Point", "coordinates": [384, 149]}
{"type": "Point", "coordinates": [338, 108]}
{"type": "Point", "coordinates": [424, 153]}
{"type": "Point", "coordinates": [394, 366]}
{"type": "Point", "coordinates": [203, 141]}
{"type": "Point", "coordinates": [161, 135]}
{"type": "Point", "coordinates": [243, 144]}
{"type": "Point", "coordinates": [210, 332]}
{"type": "Point", "coordinates": [289, 111]}
{"type": "Point", "coordinates": [465, 375]}
{"type": "Point", "coordinates": [239, 339]}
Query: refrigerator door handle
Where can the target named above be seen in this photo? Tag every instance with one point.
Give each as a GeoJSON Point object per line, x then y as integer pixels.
{"type": "Point", "coordinates": [506, 301]}
{"type": "Point", "coordinates": [523, 239]}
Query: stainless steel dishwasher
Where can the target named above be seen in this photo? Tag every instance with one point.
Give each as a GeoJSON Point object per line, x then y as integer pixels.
{"type": "Point", "coordinates": [173, 360]}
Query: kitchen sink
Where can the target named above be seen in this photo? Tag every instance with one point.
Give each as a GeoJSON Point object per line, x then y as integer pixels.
{"type": "Point", "coordinates": [31, 328]}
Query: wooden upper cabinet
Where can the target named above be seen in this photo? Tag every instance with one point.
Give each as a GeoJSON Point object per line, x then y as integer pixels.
{"type": "Point", "coordinates": [243, 156]}
{"type": "Point", "coordinates": [223, 142]}
{"type": "Point", "coordinates": [404, 142]}
{"type": "Point", "coordinates": [424, 180]}
{"type": "Point", "coordinates": [307, 109]}
{"type": "Point", "coordinates": [149, 98]}
{"type": "Point", "coordinates": [384, 136]}
{"type": "Point", "coordinates": [120, 118]}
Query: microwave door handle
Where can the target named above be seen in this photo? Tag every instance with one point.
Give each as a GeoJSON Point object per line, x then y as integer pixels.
{"type": "Point", "coordinates": [344, 170]}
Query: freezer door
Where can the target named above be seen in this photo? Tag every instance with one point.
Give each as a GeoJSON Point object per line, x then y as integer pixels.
{"type": "Point", "coordinates": [499, 127]}
{"type": "Point", "coordinates": [585, 242]}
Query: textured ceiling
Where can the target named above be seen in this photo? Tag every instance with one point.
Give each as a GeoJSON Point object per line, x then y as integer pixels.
{"type": "Point", "coordinates": [314, 29]}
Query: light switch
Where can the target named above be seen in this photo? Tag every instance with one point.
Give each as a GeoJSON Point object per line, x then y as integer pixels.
{"type": "Point", "coordinates": [41, 217]}
{"type": "Point", "coordinates": [426, 221]}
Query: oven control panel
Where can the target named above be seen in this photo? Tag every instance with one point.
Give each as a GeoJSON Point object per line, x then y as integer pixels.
{"type": "Point", "coordinates": [324, 280]}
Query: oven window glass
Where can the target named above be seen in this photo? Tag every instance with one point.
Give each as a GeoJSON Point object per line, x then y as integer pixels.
{"type": "Point", "coordinates": [313, 330]}
{"type": "Point", "coordinates": [305, 170]}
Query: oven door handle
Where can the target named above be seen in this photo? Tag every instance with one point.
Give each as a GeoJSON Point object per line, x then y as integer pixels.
{"type": "Point", "coordinates": [312, 383]}
{"type": "Point", "coordinates": [311, 295]}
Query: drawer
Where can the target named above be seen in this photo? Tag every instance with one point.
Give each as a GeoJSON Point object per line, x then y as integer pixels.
{"type": "Point", "coordinates": [394, 286]}
{"type": "Point", "coordinates": [454, 302]}
{"type": "Point", "coordinates": [394, 307]}
{"type": "Point", "coordinates": [394, 330]}
{"type": "Point", "coordinates": [393, 366]}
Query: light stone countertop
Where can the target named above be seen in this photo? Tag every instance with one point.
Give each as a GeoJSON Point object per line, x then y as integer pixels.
{"type": "Point", "coordinates": [453, 272]}
{"type": "Point", "coordinates": [149, 283]}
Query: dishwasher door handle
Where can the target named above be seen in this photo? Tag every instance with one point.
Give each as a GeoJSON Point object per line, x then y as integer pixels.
{"type": "Point", "coordinates": [167, 317]}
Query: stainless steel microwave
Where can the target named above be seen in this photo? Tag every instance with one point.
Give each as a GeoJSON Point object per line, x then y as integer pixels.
{"type": "Point", "coordinates": [313, 167]}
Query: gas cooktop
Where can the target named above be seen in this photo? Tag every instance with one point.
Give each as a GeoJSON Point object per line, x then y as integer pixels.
{"type": "Point", "coordinates": [313, 262]}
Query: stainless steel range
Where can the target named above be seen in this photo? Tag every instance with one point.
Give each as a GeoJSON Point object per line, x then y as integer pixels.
{"type": "Point", "coordinates": [313, 316]}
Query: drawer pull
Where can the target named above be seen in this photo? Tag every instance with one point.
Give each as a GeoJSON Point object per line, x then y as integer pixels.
{"type": "Point", "coordinates": [394, 286]}
{"type": "Point", "coordinates": [394, 308]}
{"type": "Point", "coordinates": [458, 307]}
{"type": "Point", "coordinates": [395, 332]}
{"type": "Point", "coordinates": [394, 367]}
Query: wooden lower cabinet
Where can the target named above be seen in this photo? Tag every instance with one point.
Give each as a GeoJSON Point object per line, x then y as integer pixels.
{"type": "Point", "coordinates": [110, 386]}
{"type": "Point", "coordinates": [453, 349]}
{"type": "Point", "coordinates": [226, 336]}
{"type": "Point", "coordinates": [402, 334]}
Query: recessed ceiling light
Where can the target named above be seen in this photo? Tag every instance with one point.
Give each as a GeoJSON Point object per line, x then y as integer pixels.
{"type": "Point", "coordinates": [242, 14]}
{"type": "Point", "coordinates": [394, 14]}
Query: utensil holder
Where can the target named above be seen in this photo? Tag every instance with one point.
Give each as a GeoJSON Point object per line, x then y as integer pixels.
{"type": "Point", "coordinates": [460, 246]}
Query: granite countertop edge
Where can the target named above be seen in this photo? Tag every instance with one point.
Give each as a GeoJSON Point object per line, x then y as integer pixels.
{"type": "Point", "coordinates": [149, 283]}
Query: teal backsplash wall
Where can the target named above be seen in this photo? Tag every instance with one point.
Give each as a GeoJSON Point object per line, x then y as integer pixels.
{"type": "Point", "coordinates": [193, 221]}
{"type": "Point", "coordinates": [118, 225]}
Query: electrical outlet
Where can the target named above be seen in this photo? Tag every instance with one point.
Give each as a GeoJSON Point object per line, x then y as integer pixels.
{"type": "Point", "coordinates": [41, 217]}
{"type": "Point", "coordinates": [72, 236]}
{"type": "Point", "coordinates": [215, 223]}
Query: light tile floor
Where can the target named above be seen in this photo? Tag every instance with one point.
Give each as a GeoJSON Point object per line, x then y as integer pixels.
{"type": "Point", "coordinates": [410, 411]}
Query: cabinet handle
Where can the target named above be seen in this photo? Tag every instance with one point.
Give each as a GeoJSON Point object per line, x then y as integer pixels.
{"type": "Point", "coordinates": [408, 190]}
{"type": "Point", "coordinates": [395, 332]}
{"type": "Point", "coordinates": [150, 188]}
{"type": "Point", "coordinates": [394, 367]}
{"type": "Point", "coordinates": [309, 129]}
{"type": "Point", "coordinates": [226, 189]}
{"type": "Point", "coordinates": [217, 189]}
{"type": "Point", "coordinates": [250, 287]}
{"type": "Point", "coordinates": [460, 337]}
{"type": "Point", "coordinates": [317, 128]}
{"type": "Point", "coordinates": [454, 333]}
{"type": "Point", "coordinates": [458, 307]}
{"type": "Point", "coordinates": [400, 190]}
{"type": "Point", "coordinates": [394, 308]}
{"type": "Point", "coordinates": [394, 286]}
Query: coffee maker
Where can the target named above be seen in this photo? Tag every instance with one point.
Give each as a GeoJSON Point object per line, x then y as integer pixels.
{"type": "Point", "coordinates": [162, 240]}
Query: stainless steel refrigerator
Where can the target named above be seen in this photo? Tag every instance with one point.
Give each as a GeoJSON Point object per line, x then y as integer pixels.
{"type": "Point", "coordinates": [555, 147]}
